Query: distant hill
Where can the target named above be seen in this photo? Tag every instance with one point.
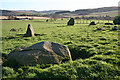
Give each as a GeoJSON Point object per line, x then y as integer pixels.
{"type": "Point", "coordinates": [110, 13]}
{"type": "Point", "coordinates": [17, 12]}
{"type": "Point", "coordinates": [95, 11]}
{"type": "Point", "coordinates": [6, 12]}
{"type": "Point", "coordinates": [44, 12]}
{"type": "Point", "coordinates": [50, 11]}
{"type": "Point", "coordinates": [27, 12]}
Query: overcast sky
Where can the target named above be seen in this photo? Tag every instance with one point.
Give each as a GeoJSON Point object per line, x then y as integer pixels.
{"type": "Point", "coordinates": [40, 5]}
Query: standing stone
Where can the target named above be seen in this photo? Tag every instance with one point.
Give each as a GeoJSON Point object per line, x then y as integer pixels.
{"type": "Point", "coordinates": [47, 20]}
{"type": "Point", "coordinates": [30, 31]}
{"type": "Point", "coordinates": [71, 22]}
{"type": "Point", "coordinates": [92, 23]}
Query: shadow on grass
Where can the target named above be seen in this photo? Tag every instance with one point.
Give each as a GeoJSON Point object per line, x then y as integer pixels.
{"type": "Point", "coordinates": [62, 26]}
{"type": "Point", "coordinates": [38, 21]}
{"type": "Point", "coordinates": [19, 36]}
{"type": "Point", "coordinates": [8, 38]}
{"type": "Point", "coordinates": [23, 35]}
{"type": "Point", "coordinates": [78, 52]}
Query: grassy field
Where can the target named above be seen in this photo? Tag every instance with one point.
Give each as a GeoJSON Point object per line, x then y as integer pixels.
{"type": "Point", "coordinates": [110, 13]}
{"type": "Point", "coordinates": [95, 53]}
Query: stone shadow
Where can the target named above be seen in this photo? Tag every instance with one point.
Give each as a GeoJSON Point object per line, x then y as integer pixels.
{"type": "Point", "coordinates": [23, 35]}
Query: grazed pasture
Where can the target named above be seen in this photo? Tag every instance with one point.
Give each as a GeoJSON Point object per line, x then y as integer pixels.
{"type": "Point", "coordinates": [95, 52]}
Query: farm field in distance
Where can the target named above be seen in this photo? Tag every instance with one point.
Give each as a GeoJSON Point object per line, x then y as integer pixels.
{"type": "Point", "coordinates": [95, 53]}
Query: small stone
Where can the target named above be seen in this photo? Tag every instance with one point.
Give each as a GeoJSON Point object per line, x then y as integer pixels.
{"type": "Point", "coordinates": [114, 28]}
{"type": "Point", "coordinates": [92, 23]}
{"type": "Point", "coordinates": [103, 38]}
{"type": "Point", "coordinates": [13, 29]}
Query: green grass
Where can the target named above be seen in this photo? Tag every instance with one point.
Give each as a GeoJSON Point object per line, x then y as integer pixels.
{"type": "Point", "coordinates": [95, 53]}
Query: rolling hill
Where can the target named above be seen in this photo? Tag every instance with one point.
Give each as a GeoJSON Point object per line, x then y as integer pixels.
{"type": "Point", "coordinates": [112, 11]}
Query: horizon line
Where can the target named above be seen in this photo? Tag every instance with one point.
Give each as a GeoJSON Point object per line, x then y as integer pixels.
{"type": "Point", "coordinates": [51, 9]}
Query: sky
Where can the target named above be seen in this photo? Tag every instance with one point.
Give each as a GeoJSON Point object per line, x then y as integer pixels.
{"type": "Point", "coordinates": [40, 5]}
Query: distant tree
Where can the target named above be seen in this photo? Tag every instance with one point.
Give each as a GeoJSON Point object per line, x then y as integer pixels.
{"type": "Point", "coordinates": [107, 18]}
{"type": "Point", "coordinates": [62, 19]}
{"type": "Point", "coordinates": [23, 14]}
{"type": "Point", "coordinates": [54, 17]}
{"type": "Point", "coordinates": [83, 17]}
{"type": "Point", "coordinates": [11, 17]}
{"type": "Point", "coordinates": [80, 20]}
{"type": "Point", "coordinates": [116, 20]}
{"type": "Point", "coordinates": [77, 18]}
{"type": "Point", "coordinates": [32, 18]}
{"type": "Point", "coordinates": [60, 12]}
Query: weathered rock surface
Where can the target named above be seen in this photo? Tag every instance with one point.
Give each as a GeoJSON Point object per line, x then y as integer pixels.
{"type": "Point", "coordinates": [41, 53]}
{"type": "Point", "coordinates": [30, 31]}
